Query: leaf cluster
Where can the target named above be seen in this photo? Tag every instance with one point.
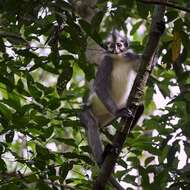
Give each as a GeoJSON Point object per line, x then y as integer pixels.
{"type": "Point", "coordinates": [43, 66]}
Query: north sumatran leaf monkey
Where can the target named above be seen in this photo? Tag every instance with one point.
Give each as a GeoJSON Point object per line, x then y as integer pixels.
{"type": "Point", "coordinates": [107, 100]}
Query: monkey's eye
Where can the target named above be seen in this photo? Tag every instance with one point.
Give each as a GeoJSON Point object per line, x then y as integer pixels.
{"type": "Point", "coordinates": [126, 44]}
{"type": "Point", "coordinates": [119, 45]}
{"type": "Point", "coordinates": [112, 45]}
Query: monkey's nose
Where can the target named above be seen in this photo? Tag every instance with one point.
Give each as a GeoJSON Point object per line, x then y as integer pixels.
{"type": "Point", "coordinates": [116, 51]}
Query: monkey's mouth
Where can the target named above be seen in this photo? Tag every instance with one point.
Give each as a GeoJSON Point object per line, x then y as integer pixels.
{"type": "Point", "coordinates": [117, 53]}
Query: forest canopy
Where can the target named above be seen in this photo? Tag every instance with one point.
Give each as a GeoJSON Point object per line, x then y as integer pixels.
{"type": "Point", "coordinates": [43, 81]}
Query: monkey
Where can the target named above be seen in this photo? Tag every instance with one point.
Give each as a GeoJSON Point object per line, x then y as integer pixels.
{"type": "Point", "coordinates": [112, 84]}
{"type": "Point", "coordinates": [117, 69]}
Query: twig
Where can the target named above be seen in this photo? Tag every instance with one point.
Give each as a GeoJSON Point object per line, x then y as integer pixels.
{"type": "Point", "coordinates": [166, 3]}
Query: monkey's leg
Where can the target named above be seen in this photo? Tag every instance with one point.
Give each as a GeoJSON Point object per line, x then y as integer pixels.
{"type": "Point", "coordinates": [93, 137]}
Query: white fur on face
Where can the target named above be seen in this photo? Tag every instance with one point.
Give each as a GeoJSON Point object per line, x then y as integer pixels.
{"type": "Point", "coordinates": [117, 45]}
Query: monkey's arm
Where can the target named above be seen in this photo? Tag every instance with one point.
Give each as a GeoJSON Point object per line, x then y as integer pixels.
{"type": "Point", "coordinates": [102, 84]}
{"type": "Point", "coordinates": [134, 59]}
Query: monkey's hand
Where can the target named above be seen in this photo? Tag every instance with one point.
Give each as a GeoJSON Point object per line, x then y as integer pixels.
{"type": "Point", "coordinates": [124, 112]}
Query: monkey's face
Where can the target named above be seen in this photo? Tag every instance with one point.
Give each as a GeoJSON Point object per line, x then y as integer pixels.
{"type": "Point", "coordinates": [116, 44]}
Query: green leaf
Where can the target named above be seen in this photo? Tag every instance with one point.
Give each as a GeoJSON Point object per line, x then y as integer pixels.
{"type": "Point", "coordinates": [8, 81]}
{"type": "Point", "coordinates": [49, 69]}
{"type": "Point", "coordinates": [54, 57]}
{"type": "Point", "coordinates": [185, 39]}
{"type": "Point", "coordinates": [35, 66]}
{"type": "Point", "coordinates": [128, 3]}
{"type": "Point", "coordinates": [135, 161]}
{"type": "Point", "coordinates": [67, 141]}
{"type": "Point", "coordinates": [130, 179]}
{"type": "Point", "coordinates": [43, 186]}
{"type": "Point", "coordinates": [64, 5]}
{"type": "Point", "coordinates": [143, 10]}
{"type": "Point", "coordinates": [63, 79]}
{"type": "Point", "coordinates": [46, 90]}
{"type": "Point", "coordinates": [2, 148]}
{"type": "Point", "coordinates": [30, 80]}
{"type": "Point", "coordinates": [163, 87]}
{"type": "Point", "coordinates": [54, 103]}
{"type": "Point", "coordinates": [2, 45]}
{"type": "Point", "coordinates": [20, 88]}
{"type": "Point", "coordinates": [148, 96]}
{"type": "Point", "coordinates": [41, 120]}
{"type": "Point", "coordinates": [149, 160]}
{"type": "Point", "coordinates": [27, 53]}
{"type": "Point", "coordinates": [48, 131]}
{"type": "Point", "coordinates": [13, 101]}
{"type": "Point", "coordinates": [85, 148]}
{"type": "Point", "coordinates": [183, 96]}
{"type": "Point", "coordinates": [13, 37]}
{"type": "Point", "coordinates": [51, 171]}
{"type": "Point", "coordinates": [145, 178]}
{"type": "Point", "coordinates": [3, 167]}
{"type": "Point", "coordinates": [64, 169]}
{"type": "Point", "coordinates": [10, 186]}
{"type": "Point", "coordinates": [42, 151]}
{"type": "Point", "coordinates": [5, 111]}
{"type": "Point", "coordinates": [171, 15]}
{"type": "Point", "coordinates": [20, 121]}
{"type": "Point", "coordinates": [135, 27]}
{"type": "Point", "coordinates": [70, 123]}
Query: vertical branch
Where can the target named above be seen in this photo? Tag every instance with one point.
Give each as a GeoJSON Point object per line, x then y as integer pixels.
{"type": "Point", "coordinates": [135, 96]}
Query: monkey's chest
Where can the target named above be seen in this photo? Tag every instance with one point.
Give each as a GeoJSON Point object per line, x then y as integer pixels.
{"type": "Point", "coordinates": [121, 82]}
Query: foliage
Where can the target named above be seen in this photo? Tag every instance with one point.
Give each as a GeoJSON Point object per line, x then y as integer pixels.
{"type": "Point", "coordinates": [42, 64]}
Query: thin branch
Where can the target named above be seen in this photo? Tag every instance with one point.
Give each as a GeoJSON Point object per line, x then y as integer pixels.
{"type": "Point", "coordinates": [178, 68]}
{"type": "Point", "coordinates": [134, 99]}
{"type": "Point", "coordinates": [14, 176]}
{"type": "Point", "coordinates": [166, 3]}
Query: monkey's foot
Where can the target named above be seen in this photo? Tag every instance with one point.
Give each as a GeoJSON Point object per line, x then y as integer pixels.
{"type": "Point", "coordinates": [109, 149]}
